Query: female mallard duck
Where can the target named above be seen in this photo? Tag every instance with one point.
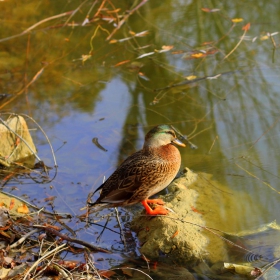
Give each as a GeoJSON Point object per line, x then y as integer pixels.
{"type": "Point", "coordinates": [144, 173]}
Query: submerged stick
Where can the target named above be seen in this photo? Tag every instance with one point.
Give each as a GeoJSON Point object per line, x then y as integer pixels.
{"type": "Point", "coordinates": [74, 240]}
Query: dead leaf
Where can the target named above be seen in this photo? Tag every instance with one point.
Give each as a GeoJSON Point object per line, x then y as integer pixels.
{"type": "Point", "coordinates": [265, 37]}
{"type": "Point", "coordinates": [12, 204]}
{"type": "Point", "coordinates": [176, 233]}
{"type": "Point", "coordinates": [246, 27]}
{"type": "Point", "coordinates": [85, 57]}
{"type": "Point", "coordinates": [164, 49]}
{"type": "Point", "coordinates": [197, 55]}
{"type": "Point", "coordinates": [207, 10]}
{"type": "Point", "coordinates": [191, 77]}
{"type": "Point", "coordinates": [127, 272]}
{"type": "Point", "coordinates": [145, 54]}
{"type": "Point", "coordinates": [23, 209]}
{"type": "Point", "coordinates": [106, 273]}
{"type": "Point", "coordinates": [142, 33]}
{"type": "Point", "coordinates": [178, 52]}
{"type": "Point", "coordinates": [53, 227]}
{"type": "Point", "coordinates": [236, 20]}
{"type": "Point", "coordinates": [195, 210]}
{"type": "Point", "coordinates": [142, 75]}
{"type": "Point", "coordinates": [121, 63]}
{"type": "Point", "coordinates": [167, 48]}
{"type": "Point", "coordinates": [51, 198]}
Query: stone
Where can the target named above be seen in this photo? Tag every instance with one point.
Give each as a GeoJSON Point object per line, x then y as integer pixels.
{"type": "Point", "coordinates": [16, 143]}
{"type": "Point", "coordinates": [181, 237]}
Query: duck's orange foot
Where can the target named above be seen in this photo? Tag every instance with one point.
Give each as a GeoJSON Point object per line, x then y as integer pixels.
{"type": "Point", "coordinates": [155, 201]}
{"type": "Point", "coordinates": [159, 210]}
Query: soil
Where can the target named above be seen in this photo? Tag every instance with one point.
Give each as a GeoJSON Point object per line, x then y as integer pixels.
{"type": "Point", "coordinates": [181, 237]}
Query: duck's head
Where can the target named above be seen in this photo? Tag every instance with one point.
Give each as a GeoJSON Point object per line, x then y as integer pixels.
{"type": "Point", "coordinates": [161, 135]}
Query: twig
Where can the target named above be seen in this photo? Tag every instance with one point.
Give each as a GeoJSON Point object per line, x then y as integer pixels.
{"type": "Point", "coordinates": [217, 137]}
{"type": "Point", "coordinates": [254, 176]}
{"type": "Point", "coordinates": [121, 230]}
{"type": "Point", "coordinates": [267, 268]}
{"type": "Point", "coordinates": [65, 274]}
{"type": "Point", "coordinates": [125, 18]}
{"type": "Point", "coordinates": [66, 215]}
{"type": "Point", "coordinates": [90, 264]}
{"type": "Point", "coordinates": [104, 227]}
{"type": "Point", "coordinates": [133, 269]}
{"type": "Point", "coordinates": [37, 24]}
{"type": "Point", "coordinates": [100, 8]}
{"type": "Point", "coordinates": [46, 136]}
{"type": "Point", "coordinates": [74, 12]}
{"type": "Point", "coordinates": [55, 250]}
{"type": "Point", "coordinates": [23, 238]}
{"type": "Point", "coordinates": [23, 90]}
{"type": "Point", "coordinates": [269, 128]}
{"type": "Point", "coordinates": [25, 142]}
{"type": "Point", "coordinates": [147, 262]}
{"type": "Point", "coordinates": [197, 80]}
{"type": "Point", "coordinates": [241, 39]}
{"type": "Point", "coordinates": [74, 240]}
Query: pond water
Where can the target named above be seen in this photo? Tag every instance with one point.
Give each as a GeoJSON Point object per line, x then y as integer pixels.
{"type": "Point", "coordinates": [99, 78]}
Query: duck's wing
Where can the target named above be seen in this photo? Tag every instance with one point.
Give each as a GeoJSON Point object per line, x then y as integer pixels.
{"type": "Point", "coordinates": [128, 178]}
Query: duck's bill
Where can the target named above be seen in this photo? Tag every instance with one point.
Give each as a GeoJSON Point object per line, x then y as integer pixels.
{"type": "Point", "coordinates": [178, 142]}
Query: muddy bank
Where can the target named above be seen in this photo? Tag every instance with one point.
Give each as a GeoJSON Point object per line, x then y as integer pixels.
{"type": "Point", "coordinates": [181, 237]}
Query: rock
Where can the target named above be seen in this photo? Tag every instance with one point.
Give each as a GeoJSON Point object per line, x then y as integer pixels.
{"type": "Point", "coordinates": [13, 148]}
{"type": "Point", "coordinates": [181, 237]}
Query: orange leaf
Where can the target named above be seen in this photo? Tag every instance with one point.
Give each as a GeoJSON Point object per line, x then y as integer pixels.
{"type": "Point", "coordinates": [121, 63]}
{"type": "Point", "coordinates": [167, 48]}
{"type": "Point", "coordinates": [197, 55]}
{"type": "Point", "coordinates": [246, 27]}
{"type": "Point", "coordinates": [155, 265]}
{"type": "Point", "coordinates": [176, 233]}
{"type": "Point", "coordinates": [23, 209]}
{"type": "Point", "coordinates": [207, 10]}
{"type": "Point", "coordinates": [12, 204]}
{"type": "Point", "coordinates": [53, 227]}
{"type": "Point", "coordinates": [106, 273]}
{"type": "Point", "coordinates": [195, 210]}
{"type": "Point", "coordinates": [17, 141]}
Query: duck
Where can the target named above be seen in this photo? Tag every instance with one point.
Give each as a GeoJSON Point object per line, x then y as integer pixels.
{"type": "Point", "coordinates": [144, 173]}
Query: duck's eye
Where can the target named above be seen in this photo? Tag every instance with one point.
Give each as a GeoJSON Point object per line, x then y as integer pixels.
{"type": "Point", "coordinates": [171, 132]}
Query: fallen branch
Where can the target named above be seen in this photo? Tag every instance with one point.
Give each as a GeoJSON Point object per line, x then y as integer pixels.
{"type": "Point", "coordinates": [37, 24]}
{"type": "Point", "coordinates": [74, 240]}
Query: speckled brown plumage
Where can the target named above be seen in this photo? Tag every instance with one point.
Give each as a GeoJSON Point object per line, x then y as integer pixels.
{"type": "Point", "coordinates": [144, 173]}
